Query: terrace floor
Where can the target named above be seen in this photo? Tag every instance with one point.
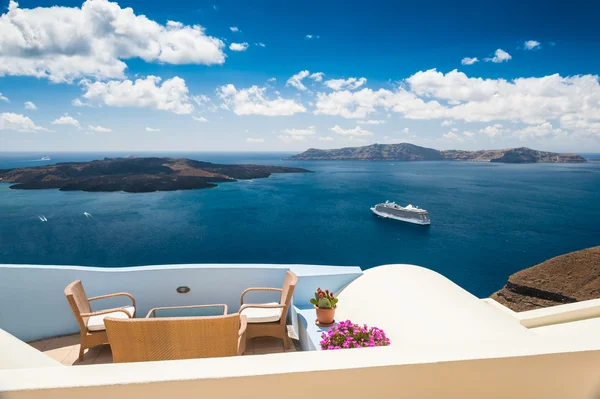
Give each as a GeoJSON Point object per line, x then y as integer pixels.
{"type": "Point", "coordinates": [66, 349]}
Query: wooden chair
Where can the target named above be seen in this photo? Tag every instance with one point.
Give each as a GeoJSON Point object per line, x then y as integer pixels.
{"type": "Point", "coordinates": [175, 338]}
{"type": "Point", "coordinates": [269, 319]}
{"type": "Point", "coordinates": [91, 324]}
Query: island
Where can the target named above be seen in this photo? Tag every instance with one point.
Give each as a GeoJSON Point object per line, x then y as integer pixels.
{"type": "Point", "coordinates": [411, 152]}
{"type": "Point", "coordinates": [564, 279]}
{"type": "Point", "coordinates": [135, 175]}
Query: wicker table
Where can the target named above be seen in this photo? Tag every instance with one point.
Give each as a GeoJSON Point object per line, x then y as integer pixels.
{"type": "Point", "coordinates": [188, 311]}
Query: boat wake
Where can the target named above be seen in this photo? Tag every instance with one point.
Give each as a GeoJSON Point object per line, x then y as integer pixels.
{"type": "Point", "coordinates": [42, 218]}
{"type": "Point", "coordinates": [87, 215]}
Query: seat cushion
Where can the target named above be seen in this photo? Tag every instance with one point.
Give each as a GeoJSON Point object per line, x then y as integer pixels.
{"type": "Point", "coordinates": [258, 315]}
{"type": "Point", "coordinates": [96, 323]}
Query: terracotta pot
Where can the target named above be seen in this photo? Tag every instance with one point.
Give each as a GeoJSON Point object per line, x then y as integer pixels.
{"type": "Point", "coordinates": [325, 316]}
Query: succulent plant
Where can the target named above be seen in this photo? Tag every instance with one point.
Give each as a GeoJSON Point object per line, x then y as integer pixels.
{"type": "Point", "coordinates": [324, 299]}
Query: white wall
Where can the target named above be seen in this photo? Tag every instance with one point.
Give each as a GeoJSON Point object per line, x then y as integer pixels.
{"type": "Point", "coordinates": [33, 305]}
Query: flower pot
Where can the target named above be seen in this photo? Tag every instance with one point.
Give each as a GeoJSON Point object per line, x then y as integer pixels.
{"type": "Point", "coordinates": [325, 316]}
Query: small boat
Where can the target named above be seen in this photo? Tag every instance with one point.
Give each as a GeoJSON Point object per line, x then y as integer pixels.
{"type": "Point", "coordinates": [409, 213]}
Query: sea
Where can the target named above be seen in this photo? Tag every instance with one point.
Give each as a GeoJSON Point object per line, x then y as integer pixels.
{"type": "Point", "coordinates": [488, 220]}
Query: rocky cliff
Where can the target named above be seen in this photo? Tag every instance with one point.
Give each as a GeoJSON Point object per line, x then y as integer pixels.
{"type": "Point", "coordinates": [567, 278]}
{"type": "Point", "coordinates": [411, 152]}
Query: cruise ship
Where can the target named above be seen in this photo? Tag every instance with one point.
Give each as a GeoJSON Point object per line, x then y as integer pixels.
{"type": "Point", "coordinates": [410, 213]}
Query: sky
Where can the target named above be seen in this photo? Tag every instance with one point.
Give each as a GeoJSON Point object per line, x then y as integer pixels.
{"type": "Point", "coordinates": [214, 75]}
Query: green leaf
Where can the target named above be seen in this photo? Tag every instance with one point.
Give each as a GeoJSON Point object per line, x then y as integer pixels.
{"type": "Point", "coordinates": [313, 301]}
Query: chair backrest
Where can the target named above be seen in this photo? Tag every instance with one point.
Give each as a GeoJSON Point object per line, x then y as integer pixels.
{"type": "Point", "coordinates": [289, 284]}
{"type": "Point", "coordinates": [173, 338]}
{"type": "Point", "coordinates": [78, 300]}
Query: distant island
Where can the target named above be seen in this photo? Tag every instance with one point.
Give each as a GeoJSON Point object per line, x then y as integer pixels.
{"type": "Point", "coordinates": [135, 175]}
{"type": "Point", "coordinates": [411, 152]}
{"type": "Point", "coordinates": [564, 279]}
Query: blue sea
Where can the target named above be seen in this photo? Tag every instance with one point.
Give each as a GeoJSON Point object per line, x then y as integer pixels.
{"type": "Point", "coordinates": [488, 220]}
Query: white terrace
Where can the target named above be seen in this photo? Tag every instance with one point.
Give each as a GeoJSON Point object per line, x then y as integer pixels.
{"type": "Point", "coordinates": [445, 342]}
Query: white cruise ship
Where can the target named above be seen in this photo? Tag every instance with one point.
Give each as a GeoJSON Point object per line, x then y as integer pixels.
{"type": "Point", "coordinates": [411, 214]}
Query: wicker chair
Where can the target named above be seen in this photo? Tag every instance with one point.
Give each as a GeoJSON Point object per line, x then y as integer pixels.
{"type": "Point", "coordinates": [174, 338]}
{"type": "Point", "coordinates": [91, 324]}
{"type": "Point", "coordinates": [268, 319]}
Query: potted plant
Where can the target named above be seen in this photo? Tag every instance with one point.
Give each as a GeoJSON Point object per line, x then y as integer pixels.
{"type": "Point", "coordinates": [347, 335]}
{"type": "Point", "coordinates": [325, 303]}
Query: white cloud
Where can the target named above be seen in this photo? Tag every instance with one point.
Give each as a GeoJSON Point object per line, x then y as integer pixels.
{"type": "Point", "coordinates": [469, 133]}
{"type": "Point", "coordinates": [234, 29]}
{"type": "Point", "coordinates": [255, 140]}
{"type": "Point", "coordinates": [18, 122]}
{"type": "Point", "coordinates": [2, 98]}
{"type": "Point", "coordinates": [200, 119]}
{"type": "Point", "coordinates": [291, 139]}
{"type": "Point", "coordinates": [453, 137]}
{"type": "Point", "coordinates": [447, 122]}
{"type": "Point", "coordinates": [300, 132]}
{"type": "Point", "coordinates": [469, 61]}
{"type": "Point", "coordinates": [532, 45]}
{"type": "Point", "coordinates": [370, 122]}
{"type": "Point", "coordinates": [405, 130]}
{"type": "Point", "coordinates": [499, 56]}
{"type": "Point", "coordinates": [238, 46]}
{"type": "Point", "coordinates": [253, 101]}
{"type": "Point", "coordinates": [260, 44]}
{"type": "Point", "coordinates": [67, 43]}
{"type": "Point", "coordinates": [493, 130]}
{"type": "Point", "coordinates": [326, 138]}
{"type": "Point", "coordinates": [345, 84]}
{"type": "Point", "coordinates": [29, 105]}
{"type": "Point", "coordinates": [544, 130]}
{"type": "Point", "coordinates": [66, 120]}
{"type": "Point", "coordinates": [317, 76]}
{"type": "Point", "coordinates": [150, 129]}
{"type": "Point", "coordinates": [357, 131]}
{"type": "Point", "coordinates": [171, 95]}
{"type": "Point", "coordinates": [310, 37]}
{"type": "Point", "coordinates": [100, 129]}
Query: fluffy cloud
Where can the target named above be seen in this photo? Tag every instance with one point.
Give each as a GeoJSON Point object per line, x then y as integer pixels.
{"type": "Point", "coordinates": [254, 101]}
{"type": "Point", "coordinates": [260, 44]}
{"type": "Point", "coordinates": [296, 80]}
{"type": "Point", "coordinates": [469, 61]}
{"type": "Point", "coordinates": [300, 132]}
{"type": "Point", "coordinates": [310, 37]}
{"type": "Point", "coordinates": [100, 129]}
{"type": "Point", "coordinates": [200, 119]}
{"type": "Point", "coordinates": [492, 130]}
{"type": "Point", "coordinates": [371, 122]}
{"type": "Point", "coordinates": [238, 46]}
{"type": "Point", "coordinates": [499, 56]}
{"type": "Point", "coordinates": [151, 129]}
{"type": "Point", "coordinates": [453, 137]}
{"type": "Point", "coordinates": [255, 140]}
{"type": "Point", "coordinates": [345, 84]}
{"type": "Point", "coordinates": [66, 120]}
{"type": "Point", "coordinates": [357, 131]}
{"type": "Point", "coordinates": [234, 28]}
{"type": "Point", "coordinates": [2, 98]}
{"type": "Point", "coordinates": [67, 43]}
{"type": "Point", "coordinates": [538, 131]}
{"type": "Point", "coordinates": [447, 122]}
{"type": "Point", "coordinates": [29, 105]}
{"type": "Point", "coordinates": [18, 122]}
{"type": "Point", "coordinates": [170, 95]}
{"type": "Point", "coordinates": [532, 45]}
{"type": "Point", "coordinates": [326, 138]}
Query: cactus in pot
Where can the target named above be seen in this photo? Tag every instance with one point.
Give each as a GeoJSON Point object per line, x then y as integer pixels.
{"type": "Point", "coordinates": [325, 303]}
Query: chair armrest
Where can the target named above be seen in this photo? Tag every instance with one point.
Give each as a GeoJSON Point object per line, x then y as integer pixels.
{"type": "Point", "coordinates": [101, 312]}
{"type": "Point", "coordinates": [257, 289]}
{"type": "Point", "coordinates": [95, 298]}
{"type": "Point", "coordinates": [242, 335]}
{"type": "Point", "coordinates": [261, 306]}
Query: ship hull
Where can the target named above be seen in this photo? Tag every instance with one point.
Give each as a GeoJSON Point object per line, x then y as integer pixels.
{"type": "Point", "coordinates": [388, 216]}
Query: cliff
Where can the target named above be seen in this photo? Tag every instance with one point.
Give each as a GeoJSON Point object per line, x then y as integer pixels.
{"type": "Point", "coordinates": [567, 278]}
{"type": "Point", "coordinates": [411, 152]}
{"type": "Point", "coordinates": [135, 175]}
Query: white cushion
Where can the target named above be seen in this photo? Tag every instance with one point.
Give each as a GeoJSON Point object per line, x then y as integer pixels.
{"type": "Point", "coordinates": [259, 315]}
{"type": "Point", "coordinates": [96, 323]}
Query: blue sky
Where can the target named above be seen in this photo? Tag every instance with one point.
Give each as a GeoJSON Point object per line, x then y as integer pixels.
{"type": "Point", "coordinates": [273, 75]}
